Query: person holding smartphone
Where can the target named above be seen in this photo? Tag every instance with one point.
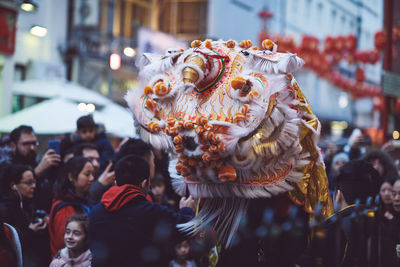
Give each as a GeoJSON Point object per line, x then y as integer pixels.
{"type": "Point", "coordinates": [17, 188]}
{"type": "Point", "coordinates": [25, 145]}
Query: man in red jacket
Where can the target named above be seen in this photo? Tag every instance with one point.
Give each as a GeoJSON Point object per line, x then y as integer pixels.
{"type": "Point", "coordinates": [125, 229]}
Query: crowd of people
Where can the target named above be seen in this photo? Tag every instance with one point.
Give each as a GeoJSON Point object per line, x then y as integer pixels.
{"type": "Point", "coordinates": [45, 205]}
{"type": "Point", "coordinates": [85, 203]}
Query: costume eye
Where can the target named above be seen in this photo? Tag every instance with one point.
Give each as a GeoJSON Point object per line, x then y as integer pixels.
{"type": "Point", "coordinates": [244, 52]}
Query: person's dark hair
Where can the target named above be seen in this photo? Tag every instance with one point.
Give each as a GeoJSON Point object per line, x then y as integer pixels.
{"type": "Point", "coordinates": [73, 167]}
{"type": "Point", "coordinates": [17, 132]}
{"type": "Point", "coordinates": [134, 147]}
{"type": "Point", "coordinates": [357, 179]}
{"type": "Point", "coordinates": [78, 150]}
{"type": "Point", "coordinates": [11, 174]}
{"type": "Point", "coordinates": [83, 221]}
{"type": "Point", "coordinates": [85, 122]}
{"type": "Point", "coordinates": [131, 170]}
{"type": "Point", "coordinates": [389, 168]}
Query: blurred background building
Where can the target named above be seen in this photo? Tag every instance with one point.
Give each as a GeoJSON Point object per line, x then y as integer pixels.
{"type": "Point", "coordinates": [95, 43]}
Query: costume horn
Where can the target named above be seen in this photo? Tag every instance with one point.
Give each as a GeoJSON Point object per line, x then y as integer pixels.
{"type": "Point", "coordinates": [190, 74]}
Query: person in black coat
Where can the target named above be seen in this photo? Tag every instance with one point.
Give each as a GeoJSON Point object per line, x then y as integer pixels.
{"type": "Point", "coordinates": [17, 209]}
{"type": "Point", "coordinates": [350, 236]}
{"type": "Point", "coordinates": [125, 229]}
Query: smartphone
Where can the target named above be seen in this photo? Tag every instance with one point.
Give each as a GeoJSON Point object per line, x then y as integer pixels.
{"type": "Point", "coordinates": [55, 145]}
{"type": "Point", "coordinates": [39, 215]}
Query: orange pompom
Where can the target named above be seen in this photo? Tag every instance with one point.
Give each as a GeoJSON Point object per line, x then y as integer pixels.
{"type": "Point", "coordinates": [254, 47]}
{"type": "Point", "coordinates": [268, 44]}
{"type": "Point", "coordinates": [238, 83]}
{"type": "Point", "coordinates": [178, 140]}
{"type": "Point", "coordinates": [171, 131]}
{"type": "Point", "coordinates": [153, 127]}
{"type": "Point", "coordinates": [213, 148]}
{"type": "Point", "coordinates": [192, 162]}
{"type": "Point", "coordinates": [179, 166]}
{"type": "Point", "coordinates": [206, 157]}
{"type": "Point", "coordinates": [253, 95]}
{"type": "Point", "coordinates": [208, 44]}
{"type": "Point", "coordinates": [195, 43]}
{"type": "Point", "coordinates": [216, 139]}
{"type": "Point", "coordinates": [230, 44]}
{"type": "Point", "coordinates": [188, 125]}
{"type": "Point", "coordinates": [185, 170]}
{"type": "Point", "coordinates": [208, 135]}
{"type": "Point", "coordinates": [171, 122]}
{"type": "Point", "coordinates": [199, 130]}
{"type": "Point", "coordinates": [161, 89]}
{"type": "Point", "coordinates": [179, 125]}
{"type": "Point", "coordinates": [246, 44]}
{"type": "Point", "coordinates": [202, 120]}
{"type": "Point", "coordinates": [151, 104]}
{"type": "Point", "coordinates": [244, 109]}
{"type": "Point", "coordinates": [179, 148]}
{"type": "Point", "coordinates": [208, 127]}
{"type": "Point", "coordinates": [148, 90]}
{"type": "Point", "coordinates": [239, 117]}
{"type": "Point", "coordinates": [227, 174]}
{"type": "Point", "coordinates": [221, 147]}
{"type": "Point", "coordinates": [202, 140]}
{"type": "Point", "coordinates": [183, 158]}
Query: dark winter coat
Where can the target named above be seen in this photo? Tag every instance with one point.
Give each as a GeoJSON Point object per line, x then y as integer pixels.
{"type": "Point", "coordinates": [127, 230]}
{"type": "Point", "coordinates": [20, 214]}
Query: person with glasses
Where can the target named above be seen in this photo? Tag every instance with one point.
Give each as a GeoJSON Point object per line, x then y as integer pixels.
{"type": "Point", "coordinates": [17, 189]}
{"type": "Point", "coordinates": [25, 145]}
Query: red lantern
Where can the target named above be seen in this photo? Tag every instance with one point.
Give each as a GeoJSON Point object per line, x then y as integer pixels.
{"type": "Point", "coordinates": [351, 58]}
{"type": "Point", "coordinates": [360, 75]}
{"type": "Point", "coordinates": [328, 43]}
{"type": "Point", "coordinates": [374, 56]}
{"type": "Point", "coordinates": [351, 42]}
{"type": "Point", "coordinates": [380, 40]}
{"type": "Point", "coordinates": [340, 43]}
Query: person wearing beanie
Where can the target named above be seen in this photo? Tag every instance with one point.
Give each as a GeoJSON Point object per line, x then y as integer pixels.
{"type": "Point", "coordinates": [125, 229]}
{"type": "Point", "coordinates": [87, 131]}
{"type": "Point", "coordinates": [338, 161]}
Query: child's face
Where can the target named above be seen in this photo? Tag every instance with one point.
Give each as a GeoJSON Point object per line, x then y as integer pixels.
{"type": "Point", "coordinates": [158, 189]}
{"type": "Point", "coordinates": [74, 237]}
{"type": "Point", "coordinates": [182, 250]}
{"type": "Point", "coordinates": [87, 134]}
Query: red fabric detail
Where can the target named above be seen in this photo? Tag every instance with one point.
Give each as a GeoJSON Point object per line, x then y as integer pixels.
{"type": "Point", "coordinates": [7, 259]}
{"type": "Point", "coordinates": [117, 196]}
{"type": "Point", "coordinates": [57, 226]}
{"type": "Point", "coordinates": [149, 198]}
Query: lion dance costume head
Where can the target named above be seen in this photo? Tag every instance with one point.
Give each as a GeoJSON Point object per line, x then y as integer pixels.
{"type": "Point", "coordinates": [239, 127]}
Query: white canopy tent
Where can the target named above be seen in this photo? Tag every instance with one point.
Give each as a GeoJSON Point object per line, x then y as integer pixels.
{"type": "Point", "coordinates": [59, 113]}
{"type": "Point", "coordinates": [59, 88]}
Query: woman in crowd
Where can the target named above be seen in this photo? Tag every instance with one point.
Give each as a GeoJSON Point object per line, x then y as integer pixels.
{"type": "Point", "coordinates": [71, 197]}
{"type": "Point", "coordinates": [17, 188]}
{"type": "Point", "coordinates": [382, 162]}
{"type": "Point", "coordinates": [76, 252]}
{"type": "Point", "coordinates": [385, 194]}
